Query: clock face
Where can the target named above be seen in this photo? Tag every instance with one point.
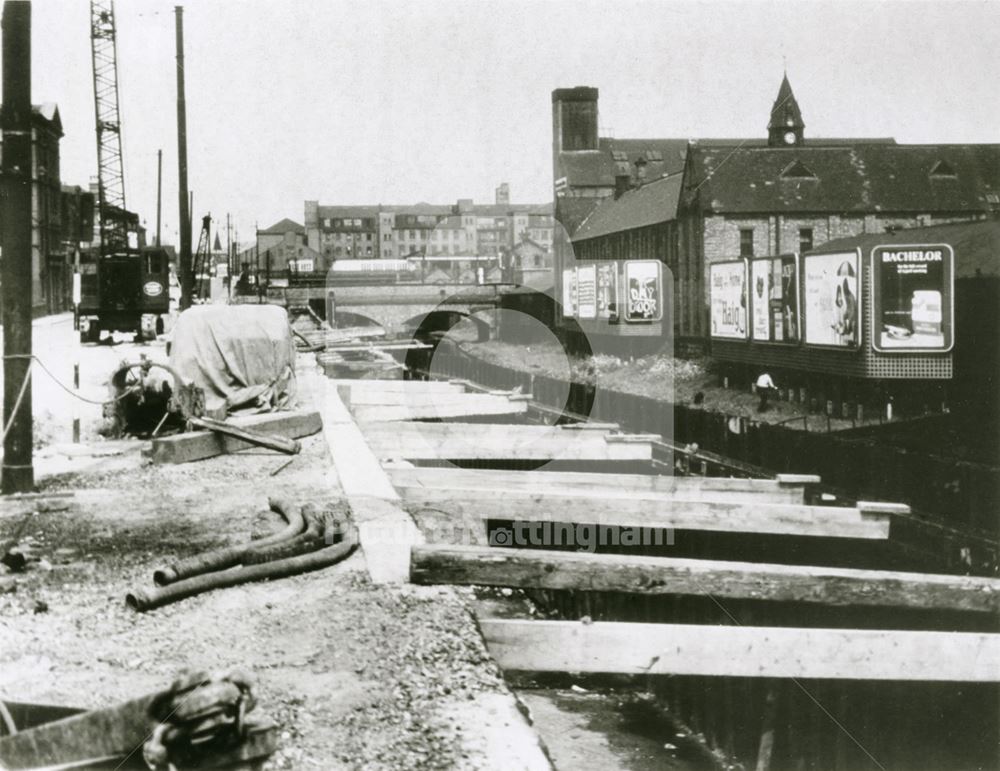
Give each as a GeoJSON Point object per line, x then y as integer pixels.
{"type": "Point", "coordinates": [789, 137]}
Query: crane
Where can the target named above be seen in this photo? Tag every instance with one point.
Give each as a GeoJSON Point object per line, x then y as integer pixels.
{"type": "Point", "coordinates": [112, 213]}
{"type": "Point", "coordinates": [123, 287]}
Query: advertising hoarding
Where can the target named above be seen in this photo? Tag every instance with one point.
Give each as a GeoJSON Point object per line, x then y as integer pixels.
{"type": "Point", "coordinates": [569, 292]}
{"type": "Point", "coordinates": [912, 298]}
{"type": "Point", "coordinates": [728, 299]}
{"type": "Point", "coordinates": [644, 293]}
{"type": "Point", "coordinates": [586, 291]}
{"type": "Point", "coordinates": [774, 299]}
{"type": "Point", "coordinates": [607, 290]}
{"type": "Point", "coordinates": [830, 299]}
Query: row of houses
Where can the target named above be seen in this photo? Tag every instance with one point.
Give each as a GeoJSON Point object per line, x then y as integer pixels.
{"type": "Point", "coordinates": [504, 231]}
{"type": "Point", "coordinates": [689, 203]}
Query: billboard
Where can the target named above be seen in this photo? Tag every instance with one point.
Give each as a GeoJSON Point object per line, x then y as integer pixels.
{"type": "Point", "coordinates": [728, 299]}
{"type": "Point", "coordinates": [912, 295]}
{"type": "Point", "coordinates": [607, 290]}
{"type": "Point", "coordinates": [644, 294]}
{"type": "Point", "coordinates": [830, 307]}
{"type": "Point", "coordinates": [774, 299]}
{"type": "Point", "coordinates": [569, 292]}
{"type": "Point", "coordinates": [586, 291]}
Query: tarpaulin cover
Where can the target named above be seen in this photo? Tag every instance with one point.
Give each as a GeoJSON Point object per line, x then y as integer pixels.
{"type": "Point", "coordinates": [240, 355]}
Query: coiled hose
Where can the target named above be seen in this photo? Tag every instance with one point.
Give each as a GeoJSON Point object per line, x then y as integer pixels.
{"type": "Point", "coordinates": [142, 600]}
{"type": "Point", "coordinates": [228, 556]}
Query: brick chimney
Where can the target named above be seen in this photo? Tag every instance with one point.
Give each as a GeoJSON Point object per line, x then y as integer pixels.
{"type": "Point", "coordinates": [574, 119]}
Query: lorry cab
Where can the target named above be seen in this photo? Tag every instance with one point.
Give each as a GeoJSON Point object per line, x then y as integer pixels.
{"type": "Point", "coordinates": [125, 292]}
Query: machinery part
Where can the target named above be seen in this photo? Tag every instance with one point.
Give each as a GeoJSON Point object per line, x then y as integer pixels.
{"type": "Point", "coordinates": [271, 441]}
{"type": "Point", "coordinates": [199, 711]}
{"type": "Point", "coordinates": [207, 729]}
{"type": "Point", "coordinates": [228, 556]}
{"type": "Point", "coordinates": [142, 600]}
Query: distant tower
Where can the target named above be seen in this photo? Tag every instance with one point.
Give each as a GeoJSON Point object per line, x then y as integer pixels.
{"type": "Point", "coordinates": [786, 126]}
{"type": "Point", "coordinates": [503, 194]}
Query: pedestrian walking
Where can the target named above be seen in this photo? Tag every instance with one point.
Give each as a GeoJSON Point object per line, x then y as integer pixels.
{"type": "Point", "coordinates": [764, 387]}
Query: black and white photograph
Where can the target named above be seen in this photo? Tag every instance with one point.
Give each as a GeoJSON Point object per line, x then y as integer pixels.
{"type": "Point", "coordinates": [503, 385]}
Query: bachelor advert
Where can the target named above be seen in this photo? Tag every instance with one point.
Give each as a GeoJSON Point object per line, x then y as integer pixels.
{"type": "Point", "coordinates": [912, 298]}
{"type": "Point", "coordinates": [728, 295]}
{"type": "Point", "coordinates": [830, 299]}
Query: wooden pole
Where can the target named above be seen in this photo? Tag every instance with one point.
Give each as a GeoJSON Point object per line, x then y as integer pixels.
{"type": "Point", "coordinates": [15, 117]}
{"type": "Point", "coordinates": [159, 192]}
{"type": "Point", "coordinates": [187, 279]}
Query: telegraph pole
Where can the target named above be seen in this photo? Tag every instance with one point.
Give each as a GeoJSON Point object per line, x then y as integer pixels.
{"type": "Point", "coordinates": [159, 191]}
{"type": "Point", "coordinates": [15, 117]}
{"type": "Point", "coordinates": [182, 169]}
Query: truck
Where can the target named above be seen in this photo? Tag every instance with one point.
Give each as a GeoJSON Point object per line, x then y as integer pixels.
{"type": "Point", "coordinates": [125, 291]}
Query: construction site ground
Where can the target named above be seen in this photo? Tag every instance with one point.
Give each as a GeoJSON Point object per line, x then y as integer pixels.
{"type": "Point", "coordinates": [353, 674]}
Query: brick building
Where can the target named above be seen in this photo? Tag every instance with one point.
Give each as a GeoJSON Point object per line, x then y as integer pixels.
{"type": "Point", "coordinates": [395, 231]}
{"type": "Point", "coordinates": [785, 192]}
{"type": "Point", "coordinates": [53, 242]}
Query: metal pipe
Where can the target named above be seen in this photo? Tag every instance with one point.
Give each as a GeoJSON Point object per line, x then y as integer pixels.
{"type": "Point", "coordinates": [226, 557]}
{"type": "Point", "coordinates": [142, 600]}
{"type": "Point", "coordinates": [16, 283]}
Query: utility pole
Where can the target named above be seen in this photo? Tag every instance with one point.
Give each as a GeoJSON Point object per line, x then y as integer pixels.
{"type": "Point", "coordinates": [15, 117]}
{"type": "Point", "coordinates": [159, 191]}
{"type": "Point", "coordinates": [229, 250]}
{"type": "Point", "coordinates": [187, 282]}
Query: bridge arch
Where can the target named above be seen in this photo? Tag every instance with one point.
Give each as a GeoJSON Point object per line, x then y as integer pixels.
{"type": "Point", "coordinates": [441, 320]}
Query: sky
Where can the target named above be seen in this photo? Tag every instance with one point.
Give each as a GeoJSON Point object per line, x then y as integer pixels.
{"type": "Point", "coordinates": [436, 100]}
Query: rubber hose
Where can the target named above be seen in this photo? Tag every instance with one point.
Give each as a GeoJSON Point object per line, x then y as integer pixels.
{"type": "Point", "coordinates": [227, 556]}
{"type": "Point", "coordinates": [143, 600]}
{"type": "Point", "coordinates": [318, 528]}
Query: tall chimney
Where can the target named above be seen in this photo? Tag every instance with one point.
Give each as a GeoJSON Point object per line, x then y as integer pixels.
{"type": "Point", "coordinates": [574, 119]}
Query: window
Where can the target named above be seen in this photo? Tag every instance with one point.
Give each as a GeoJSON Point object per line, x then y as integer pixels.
{"type": "Point", "coordinates": [746, 242]}
{"type": "Point", "coordinates": [805, 240]}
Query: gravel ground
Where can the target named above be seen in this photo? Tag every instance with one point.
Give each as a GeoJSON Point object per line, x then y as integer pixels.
{"type": "Point", "coordinates": [355, 675]}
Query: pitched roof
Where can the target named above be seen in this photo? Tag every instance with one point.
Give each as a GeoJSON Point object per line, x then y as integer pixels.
{"type": "Point", "coordinates": [430, 209]}
{"type": "Point", "coordinates": [647, 205]}
{"type": "Point", "coordinates": [976, 244]}
{"type": "Point", "coordinates": [858, 178]}
{"type": "Point", "coordinates": [598, 168]}
{"type": "Point", "coordinates": [284, 226]}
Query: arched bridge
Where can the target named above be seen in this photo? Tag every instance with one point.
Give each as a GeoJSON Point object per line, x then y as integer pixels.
{"type": "Point", "coordinates": [403, 309]}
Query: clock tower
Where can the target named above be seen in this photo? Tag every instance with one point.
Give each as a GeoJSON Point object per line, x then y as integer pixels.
{"type": "Point", "coordinates": [785, 127]}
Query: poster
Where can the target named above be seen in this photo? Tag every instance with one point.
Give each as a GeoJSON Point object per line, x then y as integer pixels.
{"type": "Point", "coordinates": [728, 298]}
{"type": "Point", "coordinates": [642, 283]}
{"type": "Point", "coordinates": [569, 292]}
{"type": "Point", "coordinates": [831, 307]}
{"type": "Point", "coordinates": [586, 292]}
{"type": "Point", "coordinates": [774, 300]}
{"type": "Point", "coordinates": [912, 298]}
{"type": "Point", "coordinates": [607, 290]}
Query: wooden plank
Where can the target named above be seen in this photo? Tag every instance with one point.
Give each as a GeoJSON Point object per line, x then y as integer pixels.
{"type": "Point", "coordinates": [631, 510]}
{"type": "Point", "coordinates": [735, 651]}
{"type": "Point", "coordinates": [539, 569]}
{"type": "Point", "coordinates": [198, 445]}
{"type": "Point", "coordinates": [798, 479]}
{"type": "Point", "coordinates": [404, 386]}
{"type": "Point", "coordinates": [683, 488]}
{"type": "Point", "coordinates": [485, 441]}
{"type": "Point", "coordinates": [470, 404]}
{"type": "Point", "coordinates": [385, 530]}
{"type": "Point", "coordinates": [405, 399]}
